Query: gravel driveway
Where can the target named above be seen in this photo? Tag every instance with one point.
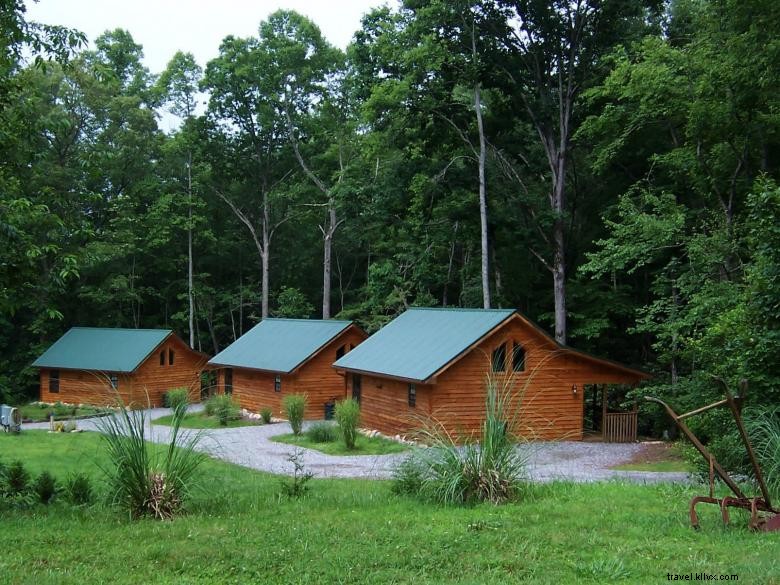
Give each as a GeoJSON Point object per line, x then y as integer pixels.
{"type": "Point", "coordinates": [547, 460]}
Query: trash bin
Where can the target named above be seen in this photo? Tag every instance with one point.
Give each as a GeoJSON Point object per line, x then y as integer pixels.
{"type": "Point", "coordinates": [329, 408]}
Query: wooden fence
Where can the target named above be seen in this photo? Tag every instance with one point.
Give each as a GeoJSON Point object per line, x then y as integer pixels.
{"type": "Point", "coordinates": [620, 427]}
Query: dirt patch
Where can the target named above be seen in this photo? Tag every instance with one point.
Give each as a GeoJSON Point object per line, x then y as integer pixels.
{"type": "Point", "coordinates": [655, 452]}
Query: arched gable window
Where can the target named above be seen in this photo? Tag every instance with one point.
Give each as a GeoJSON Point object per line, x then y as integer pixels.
{"type": "Point", "coordinates": [518, 357]}
{"type": "Point", "coordinates": [498, 360]}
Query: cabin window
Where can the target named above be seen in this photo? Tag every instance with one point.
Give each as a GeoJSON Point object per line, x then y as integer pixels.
{"type": "Point", "coordinates": [499, 358]}
{"type": "Point", "coordinates": [114, 380]}
{"type": "Point", "coordinates": [357, 387]}
{"type": "Point", "coordinates": [171, 355]}
{"type": "Point", "coordinates": [162, 358]}
{"type": "Point", "coordinates": [54, 381]}
{"type": "Point", "coordinates": [412, 394]}
{"type": "Point", "coordinates": [277, 383]}
{"type": "Point", "coordinates": [518, 357]}
{"type": "Point", "coordinates": [340, 351]}
{"type": "Point", "coordinates": [228, 380]}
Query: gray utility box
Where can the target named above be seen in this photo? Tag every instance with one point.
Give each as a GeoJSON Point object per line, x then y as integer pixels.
{"type": "Point", "coordinates": [10, 419]}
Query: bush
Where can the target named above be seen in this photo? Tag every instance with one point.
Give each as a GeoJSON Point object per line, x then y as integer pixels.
{"type": "Point", "coordinates": [78, 490]}
{"type": "Point", "coordinates": [45, 487]}
{"type": "Point", "coordinates": [490, 470]}
{"type": "Point", "coordinates": [146, 481]}
{"type": "Point", "coordinates": [294, 406]}
{"type": "Point", "coordinates": [265, 415]}
{"type": "Point", "coordinates": [224, 408]}
{"type": "Point", "coordinates": [322, 432]}
{"type": "Point", "coordinates": [175, 397]}
{"type": "Point", "coordinates": [17, 479]}
{"type": "Point", "coordinates": [347, 414]}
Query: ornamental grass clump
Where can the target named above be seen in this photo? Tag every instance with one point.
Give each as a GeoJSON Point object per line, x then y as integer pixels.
{"type": "Point", "coordinates": [347, 415]}
{"type": "Point", "coordinates": [146, 481]}
{"type": "Point", "coordinates": [322, 432]}
{"type": "Point", "coordinates": [764, 429]}
{"type": "Point", "coordinates": [489, 469]}
{"type": "Point", "coordinates": [294, 406]}
{"type": "Point", "coordinates": [175, 397]}
{"type": "Point", "coordinates": [224, 408]}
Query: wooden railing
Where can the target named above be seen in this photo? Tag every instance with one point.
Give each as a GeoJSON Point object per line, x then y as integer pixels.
{"type": "Point", "coordinates": [620, 427]}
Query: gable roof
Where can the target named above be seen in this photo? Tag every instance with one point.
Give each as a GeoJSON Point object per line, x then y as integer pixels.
{"type": "Point", "coordinates": [420, 342]}
{"type": "Point", "coordinates": [102, 349]}
{"type": "Point", "coordinates": [279, 345]}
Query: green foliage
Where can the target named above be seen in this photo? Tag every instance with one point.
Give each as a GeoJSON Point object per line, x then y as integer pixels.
{"type": "Point", "coordinates": [294, 406]}
{"type": "Point", "coordinates": [291, 303]}
{"type": "Point", "coordinates": [265, 415]}
{"type": "Point", "coordinates": [16, 479]}
{"type": "Point", "coordinates": [296, 485]}
{"type": "Point", "coordinates": [489, 470]}
{"type": "Point", "coordinates": [322, 432]}
{"type": "Point", "coordinates": [143, 481]}
{"type": "Point", "coordinates": [347, 415]}
{"type": "Point", "coordinates": [224, 408]}
{"type": "Point", "coordinates": [45, 487]}
{"type": "Point", "coordinates": [78, 489]}
{"type": "Point", "coordinates": [176, 397]}
{"type": "Point", "coordinates": [764, 430]}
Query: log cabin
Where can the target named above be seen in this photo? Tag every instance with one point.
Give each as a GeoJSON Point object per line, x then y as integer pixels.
{"type": "Point", "coordinates": [432, 365]}
{"type": "Point", "coordinates": [93, 365]}
{"type": "Point", "coordinates": [287, 356]}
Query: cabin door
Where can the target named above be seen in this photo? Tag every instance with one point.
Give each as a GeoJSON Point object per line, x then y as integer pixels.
{"type": "Point", "coordinates": [357, 387]}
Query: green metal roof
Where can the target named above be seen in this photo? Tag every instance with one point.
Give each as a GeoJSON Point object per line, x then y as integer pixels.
{"type": "Point", "coordinates": [279, 345]}
{"type": "Point", "coordinates": [102, 349]}
{"type": "Point", "coordinates": [420, 342]}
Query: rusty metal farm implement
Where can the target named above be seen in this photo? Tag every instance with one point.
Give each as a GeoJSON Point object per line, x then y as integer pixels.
{"type": "Point", "coordinates": [762, 515]}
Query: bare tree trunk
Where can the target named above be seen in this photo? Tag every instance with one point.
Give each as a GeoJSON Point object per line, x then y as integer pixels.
{"type": "Point", "coordinates": [559, 250]}
{"type": "Point", "coordinates": [264, 257]}
{"type": "Point", "coordinates": [326, 264]}
{"type": "Point", "coordinates": [189, 252]}
{"type": "Point", "coordinates": [483, 200]}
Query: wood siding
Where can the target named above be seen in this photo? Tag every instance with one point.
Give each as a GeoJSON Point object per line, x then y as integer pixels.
{"type": "Point", "coordinates": [254, 390]}
{"type": "Point", "coordinates": [144, 386]}
{"type": "Point", "coordinates": [545, 400]}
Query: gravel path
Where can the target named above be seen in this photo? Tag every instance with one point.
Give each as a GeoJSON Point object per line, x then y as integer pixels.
{"type": "Point", "coordinates": [552, 460]}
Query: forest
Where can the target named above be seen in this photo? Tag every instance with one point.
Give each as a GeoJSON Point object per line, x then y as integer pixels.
{"type": "Point", "coordinates": [607, 167]}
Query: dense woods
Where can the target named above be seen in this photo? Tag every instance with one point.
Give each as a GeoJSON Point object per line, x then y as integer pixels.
{"type": "Point", "coordinates": [606, 167]}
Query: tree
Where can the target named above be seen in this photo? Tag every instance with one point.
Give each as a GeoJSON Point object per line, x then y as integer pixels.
{"type": "Point", "coordinates": [179, 83]}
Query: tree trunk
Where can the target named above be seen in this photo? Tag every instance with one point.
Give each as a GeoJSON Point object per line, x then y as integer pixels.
{"type": "Point", "coordinates": [483, 200]}
{"type": "Point", "coordinates": [559, 248]}
{"type": "Point", "coordinates": [189, 252]}
{"type": "Point", "coordinates": [264, 256]}
{"type": "Point", "coordinates": [327, 263]}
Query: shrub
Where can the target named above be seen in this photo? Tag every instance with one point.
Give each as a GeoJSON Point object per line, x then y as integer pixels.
{"type": "Point", "coordinates": [490, 470]}
{"type": "Point", "coordinates": [296, 486]}
{"type": "Point", "coordinates": [45, 487]}
{"type": "Point", "coordinates": [322, 432]}
{"type": "Point", "coordinates": [17, 479]}
{"type": "Point", "coordinates": [146, 481]}
{"type": "Point", "coordinates": [294, 406]}
{"type": "Point", "coordinates": [78, 490]}
{"type": "Point", "coordinates": [408, 477]}
{"type": "Point", "coordinates": [347, 414]}
{"type": "Point", "coordinates": [265, 415]}
{"type": "Point", "coordinates": [224, 408]}
{"type": "Point", "coordinates": [175, 397]}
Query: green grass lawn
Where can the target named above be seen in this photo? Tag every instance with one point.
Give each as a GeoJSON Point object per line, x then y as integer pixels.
{"type": "Point", "coordinates": [199, 420]}
{"type": "Point", "coordinates": [239, 530]}
{"type": "Point", "coordinates": [363, 445]}
{"type": "Point", "coordinates": [36, 413]}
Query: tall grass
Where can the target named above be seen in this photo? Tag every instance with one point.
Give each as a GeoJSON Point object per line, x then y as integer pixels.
{"type": "Point", "coordinates": [347, 415]}
{"type": "Point", "coordinates": [294, 406]}
{"type": "Point", "coordinates": [764, 429]}
{"type": "Point", "coordinates": [489, 469]}
{"type": "Point", "coordinates": [143, 481]}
